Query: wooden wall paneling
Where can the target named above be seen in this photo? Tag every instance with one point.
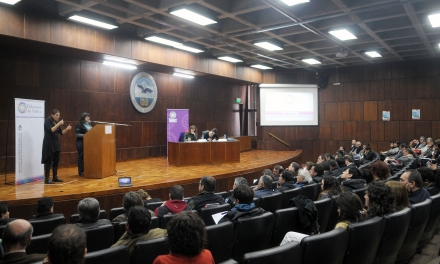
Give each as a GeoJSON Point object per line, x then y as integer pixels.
{"type": "Point", "coordinates": [183, 88]}
{"type": "Point", "coordinates": [331, 146]}
{"type": "Point", "coordinates": [186, 104]}
{"type": "Point", "coordinates": [384, 71]}
{"type": "Point", "coordinates": [241, 73]}
{"type": "Point", "coordinates": [344, 111]}
{"type": "Point", "coordinates": [291, 133]}
{"type": "Point", "coordinates": [159, 111]}
{"type": "Point", "coordinates": [422, 128]}
{"type": "Point", "coordinates": [414, 104]}
{"type": "Point", "coordinates": [127, 154]}
{"type": "Point", "coordinates": [37, 27]}
{"type": "Point", "coordinates": [406, 88]}
{"type": "Point", "coordinates": [161, 133]}
{"type": "Point", "coordinates": [383, 106]}
{"type": "Point", "coordinates": [104, 41]}
{"type": "Point", "coordinates": [27, 70]}
{"type": "Point", "coordinates": [114, 102]}
{"type": "Point", "coordinates": [99, 103]}
{"type": "Point", "coordinates": [357, 111]}
{"type": "Point", "coordinates": [256, 76]}
{"type": "Point", "coordinates": [350, 131]}
{"type": "Point", "coordinates": [431, 67]}
{"type": "Point", "coordinates": [363, 131]}
{"type": "Point", "coordinates": [71, 34]}
{"type": "Point", "coordinates": [166, 85]}
{"type": "Point", "coordinates": [89, 76]}
{"type": "Point", "coordinates": [414, 68]}
{"type": "Point", "coordinates": [398, 70]}
{"type": "Point", "coordinates": [140, 50]}
{"type": "Point", "coordinates": [370, 72]}
{"type": "Point", "coordinates": [307, 150]}
{"type": "Point", "coordinates": [11, 22]}
{"type": "Point", "coordinates": [407, 131]}
{"type": "Point", "coordinates": [400, 110]}
{"type": "Point", "coordinates": [80, 102]}
{"type": "Point", "coordinates": [283, 77]}
{"type": "Point", "coordinates": [435, 133]}
{"type": "Point", "coordinates": [325, 95]}
{"type": "Point", "coordinates": [331, 111]}
{"type": "Point", "coordinates": [200, 91]}
{"type": "Point", "coordinates": [50, 72]}
{"type": "Point", "coordinates": [350, 92]}
{"type": "Point", "coordinates": [268, 77]}
{"type": "Point", "coordinates": [377, 130]}
{"type": "Point", "coordinates": [370, 111]}
{"type": "Point", "coordinates": [373, 145]}
{"type": "Point", "coordinates": [338, 93]}
{"type": "Point", "coordinates": [430, 109]}
{"type": "Point", "coordinates": [71, 74]}
{"type": "Point", "coordinates": [203, 64]}
{"type": "Point", "coordinates": [383, 146]}
{"type": "Point", "coordinates": [392, 89]}
{"type": "Point", "coordinates": [325, 130]}
{"type": "Point", "coordinates": [149, 134]}
{"type": "Point", "coordinates": [391, 131]}
{"type": "Point", "coordinates": [377, 89]}
{"type": "Point", "coordinates": [364, 91]}
{"type": "Point", "coordinates": [60, 99]}
{"type": "Point", "coordinates": [337, 131]}
{"type": "Point", "coordinates": [423, 87]}
{"type": "Point", "coordinates": [123, 46]}
{"type": "Point", "coordinates": [302, 133]}
{"type": "Point", "coordinates": [106, 78]}
{"type": "Point", "coordinates": [122, 81]}
{"type": "Point", "coordinates": [321, 149]}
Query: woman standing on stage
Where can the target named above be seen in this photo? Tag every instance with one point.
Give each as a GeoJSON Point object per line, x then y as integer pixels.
{"type": "Point", "coordinates": [81, 128]}
{"type": "Point", "coordinates": [51, 146]}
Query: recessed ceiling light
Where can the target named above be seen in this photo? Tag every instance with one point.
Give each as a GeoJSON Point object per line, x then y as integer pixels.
{"type": "Point", "coordinates": [343, 34]}
{"type": "Point", "coordinates": [183, 75]}
{"type": "Point", "coordinates": [435, 20]}
{"type": "Point", "coordinates": [92, 22]}
{"type": "Point", "coordinates": [230, 59]}
{"type": "Point", "coordinates": [294, 2]}
{"type": "Point", "coordinates": [187, 48]}
{"type": "Point", "coordinates": [193, 17]}
{"type": "Point", "coordinates": [164, 41]}
{"type": "Point", "coordinates": [268, 46]}
{"type": "Point", "coordinates": [373, 54]}
{"type": "Point", "coordinates": [10, 2]}
{"type": "Point", "coordinates": [311, 61]}
{"type": "Point", "coordinates": [119, 65]}
{"type": "Point", "coordinates": [262, 67]}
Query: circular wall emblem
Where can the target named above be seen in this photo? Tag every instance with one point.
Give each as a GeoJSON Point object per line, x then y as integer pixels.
{"type": "Point", "coordinates": [22, 107]}
{"type": "Point", "coordinates": [143, 92]}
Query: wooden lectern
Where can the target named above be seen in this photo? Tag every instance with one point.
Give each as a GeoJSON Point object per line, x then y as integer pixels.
{"type": "Point", "coordinates": [100, 151]}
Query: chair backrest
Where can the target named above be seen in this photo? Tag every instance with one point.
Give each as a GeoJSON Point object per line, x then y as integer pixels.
{"type": "Point", "coordinates": [363, 240]}
{"type": "Point", "coordinates": [334, 215]}
{"type": "Point", "coordinates": [154, 222]}
{"type": "Point", "coordinates": [165, 219]}
{"type": "Point", "coordinates": [285, 220]}
{"type": "Point", "coordinates": [223, 194]}
{"type": "Point", "coordinates": [396, 227]}
{"type": "Point", "coordinates": [46, 226]}
{"type": "Point", "coordinates": [279, 254]}
{"type": "Point", "coordinates": [118, 254]}
{"type": "Point", "coordinates": [275, 185]}
{"type": "Point", "coordinates": [182, 137]}
{"type": "Point", "coordinates": [146, 251]}
{"type": "Point", "coordinates": [361, 194]}
{"type": "Point", "coordinates": [434, 217]}
{"type": "Point", "coordinates": [98, 238]}
{"type": "Point", "coordinates": [220, 240]}
{"type": "Point", "coordinates": [329, 246]}
{"type": "Point", "coordinates": [311, 191]}
{"type": "Point", "coordinates": [256, 201]}
{"type": "Point", "coordinates": [289, 194]}
{"type": "Point", "coordinates": [206, 213]}
{"type": "Point", "coordinates": [38, 245]}
{"type": "Point", "coordinates": [272, 202]}
{"type": "Point", "coordinates": [419, 218]}
{"type": "Point", "coordinates": [75, 217]}
{"type": "Point", "coordinates": [252, 234]}
{"type": "Point", "coordinates": [115, 212]}
{"type": "Point", "coordinates": [324, 208]}
{"type": "Point", "coordinates": [152, 206]}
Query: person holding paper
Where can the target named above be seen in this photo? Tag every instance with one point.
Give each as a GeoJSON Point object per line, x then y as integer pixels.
{"type": "Point", "coordinates": [191, 135]}
{"type": "Point", "coordinates": [51, 146]}
{"type": "Point", "coordinates": [81, 128]}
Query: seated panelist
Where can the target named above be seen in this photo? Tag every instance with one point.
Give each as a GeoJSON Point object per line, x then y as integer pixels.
{"type": "Point", "coordinates": [191, 135]}
{"type": "Point", "coordinates": [212, 135]}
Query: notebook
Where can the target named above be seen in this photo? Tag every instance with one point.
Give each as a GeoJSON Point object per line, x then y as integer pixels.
{"type": "Point", "coordinates": [124, 182]}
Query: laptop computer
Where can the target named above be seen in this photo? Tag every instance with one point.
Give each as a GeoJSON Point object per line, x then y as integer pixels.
{"type": "Point", "coordinates": [124, 182]}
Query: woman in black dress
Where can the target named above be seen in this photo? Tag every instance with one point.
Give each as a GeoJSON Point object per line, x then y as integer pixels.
{"type": "Point", "coordinates": [81, 128]}
{"type": "Point", "coordinates": [51, 146]}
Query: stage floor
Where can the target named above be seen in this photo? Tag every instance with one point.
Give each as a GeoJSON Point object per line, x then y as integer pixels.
{"type": "Point", "coordinates": [150, 173]}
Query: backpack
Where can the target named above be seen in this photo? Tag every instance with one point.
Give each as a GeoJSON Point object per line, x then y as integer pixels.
{"type": "Point", "coordinates": [308, 214]}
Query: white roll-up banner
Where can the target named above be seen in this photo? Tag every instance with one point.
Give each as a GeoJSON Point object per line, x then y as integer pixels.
{"type": "Point", "coordinates": [29, 134]}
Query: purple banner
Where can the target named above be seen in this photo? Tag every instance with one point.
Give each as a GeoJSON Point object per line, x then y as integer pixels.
{"type": "Point", "coordinates": [177, 123]}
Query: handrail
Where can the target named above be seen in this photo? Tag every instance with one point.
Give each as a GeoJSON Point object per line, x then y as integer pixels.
{"type": "Point", "coordinates": [280, 140]}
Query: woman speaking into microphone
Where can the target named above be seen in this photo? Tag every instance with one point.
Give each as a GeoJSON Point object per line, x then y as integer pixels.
{"type": "Point", "coordinates": [81, 128]}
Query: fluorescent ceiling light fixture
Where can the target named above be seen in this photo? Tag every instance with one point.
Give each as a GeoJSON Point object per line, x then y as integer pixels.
{"type": "Point", "coordinates": [183, 75]}
{"type": "Point", "coordinates": [193, 17]}
{"type": "Point", "coordinates": [435, 20]}
{"type": "Point", "coordinates": [119, 65]}
{"type": "Point", "coordinates": [343, 34]}
{"type": "Point", "coordinates": [311, 61]}
{"type": "Point", "coordinates": [164, 41]}
{"type": "Point", "coordinates": [92, 22]}
{"type": "Point", "coordinates": [268, 46]}
{"type": "Point", "coordinates": [373, 54]}
{"type": "Point", "coordinates": [10, 2]}
{"type": "Point", "coordinates": [187, 48]}
{"type": "Point", "coordinates": [294, 2]}
{"type": "Point", "coordinates": [262, 67]}
{"type": "Point", "coordinates": [230, 59]}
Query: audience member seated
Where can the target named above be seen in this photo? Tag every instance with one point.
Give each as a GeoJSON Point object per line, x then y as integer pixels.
{"type": "Point", "coordinates": [379, 200]}
{"type": "Point", "coordinates": [265, 172]}
{"type": "Point", "coordinates": [303, 178]}
{"type": "Point", "coordinates": [244, 206]}
{"type": "Point", "coordinates": [174, 205]}
{"type": "Point", "coordinates": [349, 161]}
{"type": "Point", "coordinates": [326, 166]}
{"type": "Point", "coordinates": [400, 193]}
{"type": "Point", "coordinates": [418, 144]}
{"type": "Point", "coordinates": [138, 229]}
{"type": "Point", "coordinates": [146, 198]}
{"type": "Point", "coordinates": [357, 150]}
{"type": "Point", "coordinates": [317, 172]}
{"type": "Point", "coordinates": [367, 175]}
{"type": "Point", "coordinates": [67, 244]}
{"type": "Point", "coordinates": [187, 241]}
{"type": "Point", "coordinates": [5, 214]}
{"type": "Point", "coordinates": [286, 181]}
{"type": "Point", "coordinates": [428, 148]}
{"type": "Point", "coordinates": [45, 208]}
{"type": "Point", "coordinates": [341, 167]}
{"type": "Point", "coordinates": [353, 146]}
{"type": "Point", "coordinates": [334, 168]}
{"type": "Point", "coordinates": [277, 170]}
{"type": "Point", "coordinates": [206, 195]}
{"type": "Point", "coordinates": [350, 210]}
{"type": "Point", "coordinates": [406, 158]}
{"type": "Point", "coordinates": [329, 156]}
{"type": "Point", "coordinates": [191, 135]}
{"type": "Point", "coordinates": [379, 170]}
{"type": "Point", "coordinates": [88, 210]}
{"type": "Point", "coordinates": [340, 152]}
{"type": "Point", "coordinates": [212, 135]}
{"type": "Point", "coordinates": [321, 159]}
{"type": "Point", "coordinates": [330, 187]}
{"type": "Point", "coordinates": [16, 237]}
{"type": "Point", "coordinates": [368, 154]}
{"type": "Point", "coordinates": [393, 150]}
{"type": "Point", "coordinates": [130, 199]}
{"type": "Point", "coordinates": [352, 180]}
{"type": "Point", "coordinates": [431, 180]}
{"type": "Point", "coordinates": [413, 182]}
{"type": "Point", "coordinates": [239, 180]}
{"type": "Point", "coordinates": [264, 187]}
{"type": "Point", "coordinates": [293, 167]}
{"type": "Point", "coordinates": [399, 153]}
